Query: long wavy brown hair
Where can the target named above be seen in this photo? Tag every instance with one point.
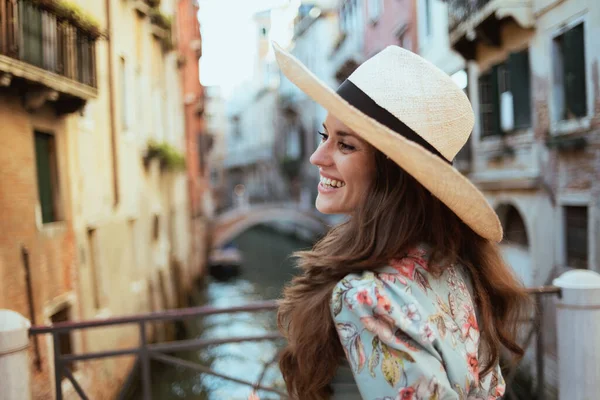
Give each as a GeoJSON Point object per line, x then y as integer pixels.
{"type": "Point", "coordinates": [397, 214]}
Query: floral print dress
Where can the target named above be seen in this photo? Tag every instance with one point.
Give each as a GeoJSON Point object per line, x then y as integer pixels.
{"type": "Point", "coordinates": [410, 335]}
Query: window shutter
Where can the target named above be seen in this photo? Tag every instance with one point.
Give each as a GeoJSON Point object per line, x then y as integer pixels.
{"type": "Point", "coordinates": [518, 64]}
{"type": "Point", "coordinates": [576, 236]}
{"type": "Point", "coordinates": [574, 72]}
{"type": "Point", "coordinates": [495, 101]}
{"type": "Point", "coordinates": [44, 179]}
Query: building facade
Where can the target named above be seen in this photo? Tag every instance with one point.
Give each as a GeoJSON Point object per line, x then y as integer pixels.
{"type": "Point", "coordinates": [533, 82]}
{"type": "Point", "coordinates": [299, 117]}
{"type": "Point", "coordinates": [252, 174]}
{"type": "Point", "coordinates": [95, 206]}
{"type": "Point", "coordinates": [391, 22]}
{"type": "Point", "coordinates": [197, 138]}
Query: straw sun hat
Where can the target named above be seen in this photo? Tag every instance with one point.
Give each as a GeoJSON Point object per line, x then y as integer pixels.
{"type": "Point", "coordinates": [412, 112]}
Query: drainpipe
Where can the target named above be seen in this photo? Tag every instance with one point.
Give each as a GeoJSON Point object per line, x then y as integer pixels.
{"type": "Point", "coordinates": [111, 102]}
{"type": "Point", "coordinates": [30, 303]}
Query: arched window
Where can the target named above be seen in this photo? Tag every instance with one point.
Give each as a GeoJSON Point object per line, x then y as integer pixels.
{"type": "Point", "coordinates": [514, 226]}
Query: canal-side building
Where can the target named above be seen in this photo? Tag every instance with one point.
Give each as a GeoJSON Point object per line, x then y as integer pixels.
{"type": "Point", "coordinates": [198, 140]}
{"type": "Point", "coordinates": [252, 174]}
{"type": "Point", "coordinates": [299, 117]}
{"type": "Point", "coordinates": [349, 44]}
{"type": "Point", "coordinates": [95, 205]}
{"type": "Point", "coordinates": [394, 22]}
{"type": "Point", "coordinates": [533, 82]}
{"type": "Point", "coordinates": [44, 85]}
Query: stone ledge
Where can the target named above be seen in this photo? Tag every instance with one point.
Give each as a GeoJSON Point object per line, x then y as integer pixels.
{"type": "Point", "coordinates": [49, 79]}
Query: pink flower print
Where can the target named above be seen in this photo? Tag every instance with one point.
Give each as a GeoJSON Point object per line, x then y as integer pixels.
{"type": "Point", "coordinates": [473, 365]}
{"type": "Point", "coordinates": [427, 334]}
{"type": "Point", "coordinates": [384, 305]}
{"type": "Point", "coordinates": [405, 267]}
{"type": "Point", "coordinates": [462, 287]}
{"type": "Point", "coordinates": [384, 276]}
{"type": "Point", "coordinates": [452, 283]}
{"type": "Point", "coordinates": [411, 312]}
{"type": "Point", "coordinates": [406, 394]}
{"type": "Point", "coordinates": [363, 297]}
{"type": "Point", "coordinates": [470, 328]}
{"type": "Point", "coordinates": [381, 325]}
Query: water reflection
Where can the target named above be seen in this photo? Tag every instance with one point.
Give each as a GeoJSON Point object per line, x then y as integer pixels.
{"type": "Point", "coordinates": [267, 267]}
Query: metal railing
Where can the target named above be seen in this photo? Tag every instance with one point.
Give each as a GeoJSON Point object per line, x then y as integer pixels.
{"type": "Point", "coordinates": [535, 329]}
{"type": "Point", "coordinates": [460, 10]}
{"type": "Point", "coordinates": [41, 37]}
{"type": "Point", "coordinates": [147, 351]}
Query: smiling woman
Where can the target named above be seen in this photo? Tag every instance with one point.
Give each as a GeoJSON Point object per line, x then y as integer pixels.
{"type": "Point", "coordinates": [409, 298]}
{"type": "Point", "coordinates": [346, 166]}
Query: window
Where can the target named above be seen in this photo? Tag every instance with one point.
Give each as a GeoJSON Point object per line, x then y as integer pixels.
{"type": "Point", "coordinates": [139, 107]}
{"type": "Point", "coordinates": [576, 236]}
{"type": "Point", "coordinates": [375, 10]}
{"type": "Point", "coordinates": [293, 145]}
{"type": "Point", "coordinates": [65, 341]}
{"type": "Point", "coordinates": [505, 96]}
{"type": "Point", "coordinates": [403, 37]}
{"type": "Point", "coordinates": [428, 26]}
{"type": "Point", "coordinates": [515, 232]}
{"type": "Point", "coordinates": [124, 89]}
{"type": "Point", "coordinates": [47, 177]}
{"type": "Point", "coordinates": [569, 74]}
{"type": "Point", "coordinates": [237, 127]}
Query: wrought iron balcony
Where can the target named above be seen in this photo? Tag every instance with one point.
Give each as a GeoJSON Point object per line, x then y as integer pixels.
{"type": "Point", "coordinates": [470, 21]}
{"type": "Point", "coordinates": [46, 44]}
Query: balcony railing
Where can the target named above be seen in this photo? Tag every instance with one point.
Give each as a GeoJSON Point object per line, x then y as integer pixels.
{"type": "Point", "coordinates": [40, 36]}
{"type": "Point", "coordinates": [460, 10]}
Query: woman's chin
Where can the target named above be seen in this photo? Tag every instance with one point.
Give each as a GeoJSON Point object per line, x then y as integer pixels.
{"type": "Point", "coordinates": [325, 207]}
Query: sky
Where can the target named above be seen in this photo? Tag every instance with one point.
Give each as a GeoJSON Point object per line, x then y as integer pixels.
{"type": "Point", "coordinates": [228, 40]}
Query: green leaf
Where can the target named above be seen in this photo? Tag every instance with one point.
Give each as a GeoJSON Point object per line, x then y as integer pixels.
{"type": "Point", "coordinates": [390, 367]}
{"type": "Point", "coordinates": [336, 301]}
{"type": "Point", "coordinates": [375, 356]}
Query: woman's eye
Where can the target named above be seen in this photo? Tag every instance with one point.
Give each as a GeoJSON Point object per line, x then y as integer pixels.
{"type": "Point", "coordinates": [324, 136]}
{"type": "Point", "coordinates": [347, 147]}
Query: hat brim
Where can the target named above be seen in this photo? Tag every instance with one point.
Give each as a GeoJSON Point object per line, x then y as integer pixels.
{"type": "Point", "coordinates": [440, 178]}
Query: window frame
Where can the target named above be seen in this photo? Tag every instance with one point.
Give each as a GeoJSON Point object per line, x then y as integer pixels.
{"type": "Point", "coordinates": [577, 199]}
{"type": "Point", "coordinates": [55, 180]}
{"type": "Point", "coordinates": [559, 126]}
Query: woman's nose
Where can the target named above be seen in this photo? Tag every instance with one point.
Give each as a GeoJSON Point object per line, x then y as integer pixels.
{"type": "Point", "coordinates": [322, 156]}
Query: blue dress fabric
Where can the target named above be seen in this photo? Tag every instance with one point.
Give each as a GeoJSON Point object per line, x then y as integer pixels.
{"type": "Point", "coordinates": [410, 335]}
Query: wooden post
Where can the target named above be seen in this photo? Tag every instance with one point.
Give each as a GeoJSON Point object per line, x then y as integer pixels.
{"type": "Point", "coordinates": [578, 334]}
{"type": "Point", "coordinates": [14, 358]}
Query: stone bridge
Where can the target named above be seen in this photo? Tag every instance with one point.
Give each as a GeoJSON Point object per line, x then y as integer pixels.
{"type": "Point", "coordinates": [229, 224]}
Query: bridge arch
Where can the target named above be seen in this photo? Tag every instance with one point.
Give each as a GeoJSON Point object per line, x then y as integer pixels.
{"type": "Point", "coordinates": [230, 224]}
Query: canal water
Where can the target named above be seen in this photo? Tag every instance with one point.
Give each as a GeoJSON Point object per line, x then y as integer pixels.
{"type": "Point", "coordinates": [267, 266]}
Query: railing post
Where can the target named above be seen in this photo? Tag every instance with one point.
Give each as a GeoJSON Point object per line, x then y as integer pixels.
{"type": "Point", "coordinates": [539, 349]}
{"type": "Point", "coordinates": [145, 363]}
{"type": "Point", "coordinates": [58, 366]}
{"type": "Point", "coordinates": [578, 318]}
{"type": "Point", "coordinates": [14, 358]}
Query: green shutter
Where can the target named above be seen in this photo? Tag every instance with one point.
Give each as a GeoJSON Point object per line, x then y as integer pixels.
{"type": "Point", "coordinates": [44, 180]}
{"type": "Point", "coordinates": [574, 72]}
{"type": "Point", "coordinates": [518, 64]}
{"type": "Point", "coordinates": [495, 101]}
{"type": "Point", "coordinates": [31, 25]}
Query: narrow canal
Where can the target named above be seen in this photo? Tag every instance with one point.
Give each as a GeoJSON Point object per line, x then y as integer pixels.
{"type": "Point", "coordinates": [267, 266]}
